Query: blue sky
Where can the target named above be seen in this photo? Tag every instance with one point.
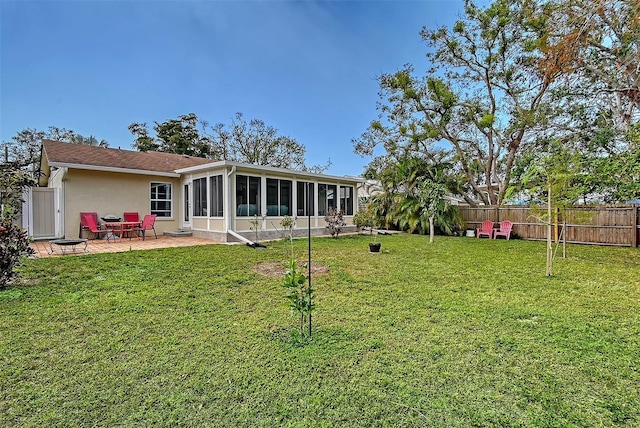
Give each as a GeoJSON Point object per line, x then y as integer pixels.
{"type": "Point", "coordinates": [307, 68]}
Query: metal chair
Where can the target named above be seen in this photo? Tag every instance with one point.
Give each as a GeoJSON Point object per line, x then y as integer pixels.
{"type": "Point", "coordinates": [148, 223]}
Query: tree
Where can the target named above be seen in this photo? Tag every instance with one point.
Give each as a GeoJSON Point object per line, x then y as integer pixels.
{"type": "Point", "coordinates": [179, 136]}
{"type": "Point", "coordinates": [256, 143]}
{"type": "Point", "coordinates": [23, 150]}
{"type": "Point", "coordinates": [484, 98]}
{"type": "Point", "coordinates": [251, 142]}
{"type": "Point", "coordinates": [432, 202]}
{"type": "Point", "coordinates": [597, 44]}
{"type": "Point", "coordinates": [405, 202]}
{"type": "Point", "coordinates": [555, 176]}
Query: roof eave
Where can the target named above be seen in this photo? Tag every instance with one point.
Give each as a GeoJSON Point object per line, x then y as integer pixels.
{"type": "Point", "coordinates": [219, 164]}
{"type": "Point", "coordinates": [113, 169]}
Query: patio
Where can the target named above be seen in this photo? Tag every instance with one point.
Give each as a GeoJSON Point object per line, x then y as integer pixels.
{"type": "Point", "coordinates": [95, 246]}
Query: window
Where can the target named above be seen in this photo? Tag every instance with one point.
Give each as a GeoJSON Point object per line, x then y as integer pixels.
{"type": "Point", "coordinates": [161, 199]}
{"type": "Point", "coordinates": [247, 196]}
{"type": "Point", "coordinates": [346, 199]}
{"type": "Point", "coordinates": [217, 204]}
{"type": "Point", "coordinates": [200, 197]}
{"type": "Point", "coordinates": [326, 198]}
{"type": "Point", "coordinates": [305, 195]}
{"type": "Point", "coordinates": [279, 197]}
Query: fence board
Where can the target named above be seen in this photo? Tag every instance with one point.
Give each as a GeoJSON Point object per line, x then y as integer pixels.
{"type": "Point", "coordinates": [601, 225]}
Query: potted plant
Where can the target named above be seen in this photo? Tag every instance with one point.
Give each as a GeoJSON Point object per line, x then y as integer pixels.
{"type": "Point", "coordinates": [365, 218]}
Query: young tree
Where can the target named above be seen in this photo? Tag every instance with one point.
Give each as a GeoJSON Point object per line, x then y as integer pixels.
{"type": "Point", "coordinates": [483, 96]}
{"type": "Point", "coordinates": [432, 202]}
{"type": "Point", "coordinates": [555, 176]}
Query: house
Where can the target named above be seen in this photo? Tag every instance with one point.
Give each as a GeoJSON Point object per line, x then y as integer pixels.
{"type": "Point", "coordinates": [221, 200]}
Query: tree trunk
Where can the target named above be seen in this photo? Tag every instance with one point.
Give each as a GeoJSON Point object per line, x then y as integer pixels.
{"type": "Point", "coordinates": [549, 232]}
{"type": "Point", "coordinates": [431, 227]}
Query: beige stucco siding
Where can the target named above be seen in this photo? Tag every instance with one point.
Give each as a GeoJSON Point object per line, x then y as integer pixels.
{"type": "Point", "coordinates": [109, 193]}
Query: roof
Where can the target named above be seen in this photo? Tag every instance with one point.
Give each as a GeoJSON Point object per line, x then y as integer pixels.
{"type": "Point", "coordinates": [83, 156]}
{"type": "Point", "coordinates": [268, 169]}
{"type": "Point", "coordinates": [80, 156]}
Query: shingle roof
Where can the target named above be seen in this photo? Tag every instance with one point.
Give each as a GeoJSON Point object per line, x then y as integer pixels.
{"type": "Point", "coordinates": [80, 154]}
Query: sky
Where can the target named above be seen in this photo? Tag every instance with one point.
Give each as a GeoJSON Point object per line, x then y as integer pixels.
{"type": "Point", "coordinates": [307, 68]}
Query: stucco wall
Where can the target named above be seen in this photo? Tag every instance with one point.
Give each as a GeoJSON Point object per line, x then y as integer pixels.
{"type": "Point", "coordinates": [113, 193]}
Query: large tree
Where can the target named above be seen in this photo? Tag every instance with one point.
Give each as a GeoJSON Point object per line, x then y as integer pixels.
{"type": "Point", "coordinates": [180, 136]}
{"type": "Point", "coordinates": [252, 142]}
{"type": "Point", "coordinates": [23, 150]}
{"type": "Point", "coordinates": [257, 143]}
{"type": "Point", "coordinates": [484, 98]}
{"type": "Point", "coordinates": [595, 46]}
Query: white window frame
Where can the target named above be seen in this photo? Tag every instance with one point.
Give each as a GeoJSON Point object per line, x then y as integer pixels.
{"type": "Point", "coordinates": [171, 199]}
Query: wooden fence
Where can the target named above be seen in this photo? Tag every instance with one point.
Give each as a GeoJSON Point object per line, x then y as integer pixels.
{"type": "Point", "coordinates": [599, 225]}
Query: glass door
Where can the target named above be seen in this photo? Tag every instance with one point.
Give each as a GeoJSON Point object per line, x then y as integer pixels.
{"type": "Point", "coordinates": [186, 209]}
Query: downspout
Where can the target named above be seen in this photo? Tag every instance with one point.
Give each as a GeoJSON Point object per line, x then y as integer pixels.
{"type": "Point", "coordinates": [230, 230]}
{"type": "Point", "coordinates": [62, 199]}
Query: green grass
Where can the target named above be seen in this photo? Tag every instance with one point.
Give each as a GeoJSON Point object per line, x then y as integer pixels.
{"type": "Point", "coordinates": [462, 332]}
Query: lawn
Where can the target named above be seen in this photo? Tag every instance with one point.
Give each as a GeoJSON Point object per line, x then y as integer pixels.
{"type": "Point", "coordinates": [462, 332]}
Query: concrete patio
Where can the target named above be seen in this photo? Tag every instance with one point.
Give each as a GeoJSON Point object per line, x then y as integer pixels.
{"type": "Point", "coordinates": [42, 248]}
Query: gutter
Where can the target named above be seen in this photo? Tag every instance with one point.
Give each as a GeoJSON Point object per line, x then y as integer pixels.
{"type": "Point", "coordinates": [230, 230]}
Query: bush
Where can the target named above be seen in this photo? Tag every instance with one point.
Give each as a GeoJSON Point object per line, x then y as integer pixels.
{"type": "Point", "coordinates": [14, 244]}
{"type": "Point", "coordinates": [14, 241]}
{"type": "Point", "coordinates": [335, 222]}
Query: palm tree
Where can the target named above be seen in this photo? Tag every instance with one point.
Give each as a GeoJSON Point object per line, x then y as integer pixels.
{"type": "Point", "coordinates": [407, 203]}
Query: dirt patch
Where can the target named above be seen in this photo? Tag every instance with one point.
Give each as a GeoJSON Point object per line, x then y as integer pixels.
{"type": "Point", "coordinates": [278, 268]}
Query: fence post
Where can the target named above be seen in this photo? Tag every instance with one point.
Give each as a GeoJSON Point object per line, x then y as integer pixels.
{"type": "Point", "coordinates": [634, 225]}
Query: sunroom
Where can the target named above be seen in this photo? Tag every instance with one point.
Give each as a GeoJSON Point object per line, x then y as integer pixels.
{"type": "Point", "coordinates": [234, 201]}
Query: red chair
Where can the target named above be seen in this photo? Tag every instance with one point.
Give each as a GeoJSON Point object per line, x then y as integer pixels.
{"type": "Point", "coordinates": [505, 230]}
{"type": "Point", "coordinates": [83, 223]}
{"type": "Point", "coordinates": [486, 229]}
{"type": "Point", "coordinates": [148, 223]}
{"type": "Point", "coordinates": [92, 225]}
{"type": "Point", "coordinates": [131, 216]}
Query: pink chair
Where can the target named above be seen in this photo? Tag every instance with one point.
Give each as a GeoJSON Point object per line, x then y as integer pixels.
{"type": "Point", "coordinates": [91, 224]}
{"type": "Point", "coordinates": [83, 224]}
{"type": "Point", "coordinates": [486, 229]}
{"type": "Point", "coordinates": [148, 223]}
{"type": "Point", "coordinates": [130, 216]}
{"type": "Point", "coordinates": [505, 230]}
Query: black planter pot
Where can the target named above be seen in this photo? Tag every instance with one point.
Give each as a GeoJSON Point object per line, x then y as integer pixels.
{"type": "Point", "coordinates": [374, 248]}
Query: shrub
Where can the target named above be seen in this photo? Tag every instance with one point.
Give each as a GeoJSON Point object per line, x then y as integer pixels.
{"type": "Point", "coordinates": [365, 218]}
{"type": "Point", "coordinates": [14, 241]}
{"type": "Point", "coordinates": [14, 244]}
{"type": "Point", "coordinates": [335, 222]}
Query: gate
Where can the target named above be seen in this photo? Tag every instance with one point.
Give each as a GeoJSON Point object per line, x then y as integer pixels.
{"type": "Point", "coordinates": [41, 213]}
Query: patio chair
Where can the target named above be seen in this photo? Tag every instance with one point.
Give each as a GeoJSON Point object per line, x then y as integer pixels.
{"type": "Point", "coordinates": [83, 224]}
{"type": "Point", "coordinates": [148, 223]}
{"type": "Point", "coordinates": [505, 230]}
{"type": "Point", "coordinates": [486, 229]}
{"type": "Point", "coordinates": [92, 224]}
{"type": "Point", "coordinates": [131, 216]}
